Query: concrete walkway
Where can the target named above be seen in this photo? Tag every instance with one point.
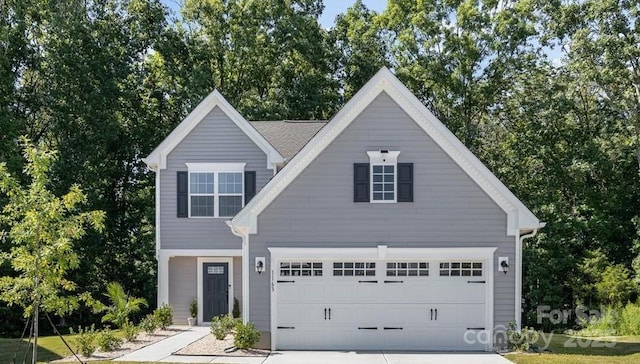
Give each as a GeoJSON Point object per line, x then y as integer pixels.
{"type": "Point", "coordinates": [162, 351]}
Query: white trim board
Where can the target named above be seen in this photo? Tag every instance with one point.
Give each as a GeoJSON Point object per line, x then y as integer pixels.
{"type": "Point", "coordinates": [383, 252]}
{"type": "Point", "coordinates": [158, 157]}
{"type": "Point", "coordinates": [199, 262]}
{"type": "Point", "coordinates": [518, 216]}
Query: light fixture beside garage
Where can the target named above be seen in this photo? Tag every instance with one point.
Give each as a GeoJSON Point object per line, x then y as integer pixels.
{"type": "Point", "coordinates": [260, 264]}
{"type": "Point", "coordinates": [503, 264]}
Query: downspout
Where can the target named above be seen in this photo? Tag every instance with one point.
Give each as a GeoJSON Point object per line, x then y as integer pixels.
{"type": "Point", "coordinates": [244, 234]}
{"type": "Point", "coordinates": [518, 282]}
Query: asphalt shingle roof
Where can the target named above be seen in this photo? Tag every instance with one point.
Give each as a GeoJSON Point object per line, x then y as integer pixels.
{"type": "Point", "coordinates": [288, 136]}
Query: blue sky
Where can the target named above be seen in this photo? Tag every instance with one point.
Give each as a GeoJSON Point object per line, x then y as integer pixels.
{"type": "Point", "coordinates": [331, 8]}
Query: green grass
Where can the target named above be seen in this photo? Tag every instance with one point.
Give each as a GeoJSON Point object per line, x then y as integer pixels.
{"type": "Point", "coordinates": [571, 350]}
{"type": "Point", "coordinates": [49, 348]}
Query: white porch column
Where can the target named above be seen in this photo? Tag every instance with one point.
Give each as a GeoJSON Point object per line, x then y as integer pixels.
{"type": "Point", "coordinates": [163, 279]}
{"type": "Point", "coordinates": [246, 271]}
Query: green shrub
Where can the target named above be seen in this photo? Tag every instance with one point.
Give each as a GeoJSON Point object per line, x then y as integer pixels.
{"type": "Point", "coordinates": [193, 308]}
{"type": "Point", "coordinates": [605, 325]}
{"type": "Point", "coordinates": [121, 305]}
{"type": "Point", "coordinates": [163, 316]}
{"type": "Point", "coordinates": [246, 335]}
{"type": "Point", "coordinates": [85, 340]}
{"type": "Point", "coordinates": [236, 308]}
{"type": "Point", "coordinates": [629, 322]}
{"type": "Point", "coordinates": [130, 331]}
{"type": "Point", "coordinates": [520, 340]}
{"type": "Point", "coordinates": [108, 341]}
{"type": "Point", "coordinates": [222, 325]}
{"type": "Point", "coordinates": [149, 324]}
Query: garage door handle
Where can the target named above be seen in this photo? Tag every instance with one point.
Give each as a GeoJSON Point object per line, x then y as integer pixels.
{"type": "Point", "coordinates": [367, 328]}
{"type": "Point", "coordinates": [475, 328]}
{"type": "Point", "coordinates": [286, 281]}
{"type": "Point", "coordinates": [286, 327]}
{"type": "Point", "coordinates": [367, 281]}
{"type": "Point", "coordinates": [329, 314]}
{"type": "Point", "coordinates": [325, 313]}
{"type": "Point", "coordinates": [436, 314]}
{"type": "Point", "coordinates": [393, 328]}
{"type": "Point", "coordinates": [476, 281]}
{"type": "Point", "coordinates": [432, 314]}
{"type": "Point", "coordinates": [393, 281]}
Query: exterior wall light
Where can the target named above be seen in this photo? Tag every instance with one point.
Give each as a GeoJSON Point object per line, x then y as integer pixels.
{"type": "Point", "coordinates": [260, 265]}
{"type": "Point", "coordinates": [503, 265]}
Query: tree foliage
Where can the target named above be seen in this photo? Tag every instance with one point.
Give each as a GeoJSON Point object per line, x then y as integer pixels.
{"type": "Point", "coordinates": [43, 228]}
{"type": "Point", "coordinates": [546, 93]}
{"type": "Point", "coordinates": [121, 305]}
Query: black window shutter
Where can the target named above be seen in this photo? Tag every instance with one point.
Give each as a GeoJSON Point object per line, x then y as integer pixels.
{"type": "Point", "coordinates": [183, 194]}
{"type": "Point", "coordinates": [249, 185]}
{"type": "Point", "coordinates": [361, 182]}
{"type": "Point", "coordinates": [405, 182]}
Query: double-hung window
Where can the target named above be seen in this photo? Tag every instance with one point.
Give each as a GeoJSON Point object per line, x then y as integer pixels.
{"type": "Point", "coordinates": [215, 189]}
{"type": "Point", "coordinates": [383, 165]}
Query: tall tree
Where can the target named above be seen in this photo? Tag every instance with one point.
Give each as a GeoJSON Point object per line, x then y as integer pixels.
{"type": "Point", "coordinates": [269, 58]}
{"type": "Point", "coordinates": [360, 47]}
{"type": "Point", "coordinates": [43, 228]}
{"type": "Point", "coordinates": [459, 56]}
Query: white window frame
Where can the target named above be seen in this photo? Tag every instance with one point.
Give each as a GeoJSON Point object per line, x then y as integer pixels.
{"type": "Point", "coordinates": [214, 168]}
{"type": "Point", "coordinates": [383, 158]}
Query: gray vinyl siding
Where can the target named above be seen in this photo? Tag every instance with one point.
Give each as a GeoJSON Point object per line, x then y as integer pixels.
{"type": "Point", "coordinates": [317, 208]}
{"type": "Point", "coordinates": [182, 287]}
{"type": "Point", "coordinates": [217, 139]}
{"type": "Point", "coordinates": [237, 280]}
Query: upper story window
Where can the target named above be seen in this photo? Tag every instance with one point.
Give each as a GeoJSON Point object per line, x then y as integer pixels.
{"type": "Point", "coordinates": [215, 189]}
{"type": "Point", "coordinates": [383, 164]}
{"type": "Point", "coordinates": [383, 179]}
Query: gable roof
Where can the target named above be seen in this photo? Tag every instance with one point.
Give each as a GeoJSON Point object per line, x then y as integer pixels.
{"type": "Point", "coordinates": [519, 217]}
{"type": "Point", "coordinates": [158, 158]}
{"type": "Point", "coordinates": [288, 136]}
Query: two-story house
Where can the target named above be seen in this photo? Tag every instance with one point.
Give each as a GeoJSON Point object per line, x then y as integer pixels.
{"type": "Point", "coordinates": [375, 230]}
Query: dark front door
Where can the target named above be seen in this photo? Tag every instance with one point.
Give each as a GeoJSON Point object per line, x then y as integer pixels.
{"type": "Point", "coordinates": [216, 290]}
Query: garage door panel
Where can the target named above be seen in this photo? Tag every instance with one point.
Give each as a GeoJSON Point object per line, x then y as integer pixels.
{"type": "Point", "coordinates": [366, 313]}
{"type": "Point", "coordinates": [296, 314]}
{"type": "Point", "coordinates": [353, 291]}
{"type": "Point", "coordinates": [461, 315]}
{"type": "Point", "coordinates": [458, 291]}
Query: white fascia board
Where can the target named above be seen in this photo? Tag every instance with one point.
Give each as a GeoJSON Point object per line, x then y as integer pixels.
{"type": "Point", "coordinates": [518, 215]}
{"type": "Point", "coordinates": [158, 158]}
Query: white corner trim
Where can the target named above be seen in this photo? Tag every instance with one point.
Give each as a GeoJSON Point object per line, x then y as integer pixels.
{"type": "Point", "coordinates": [200, 274]}
{"type": "Point", "coordinates": [216, 167]}
{"type": "Point", "coordinates": [157, 203]}
{"type": "Point", "coordinates": [518, 215]}
{"type": "Point", "coordinates": [158, 157]}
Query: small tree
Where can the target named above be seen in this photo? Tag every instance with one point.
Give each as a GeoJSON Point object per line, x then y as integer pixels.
{"type": "Point", "coordinates": [122, 305]}
{"type": "Point", "coordinates": [43, 227]}
{"type": "Point", "coordinates": [615, 286]}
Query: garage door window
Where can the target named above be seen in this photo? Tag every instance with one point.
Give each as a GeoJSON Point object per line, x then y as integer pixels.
{"type": "Point", "coordinates": [304, 269]}
{"type": "Point", "coordinates": [460, 269]}
{"type": "Point", "coordinates": [343, 269]}
{"type": "Point", "coordinates": [407, 269]}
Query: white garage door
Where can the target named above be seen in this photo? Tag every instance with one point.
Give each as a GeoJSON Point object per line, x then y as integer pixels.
{"type": "Point", "coordinates": [380, 305]}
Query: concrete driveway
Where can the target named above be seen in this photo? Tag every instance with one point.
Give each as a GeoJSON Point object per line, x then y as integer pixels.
{"type": "Point", "coordinates": [162, 351]}
{"type": "Point", "coordinates": [380, 357]}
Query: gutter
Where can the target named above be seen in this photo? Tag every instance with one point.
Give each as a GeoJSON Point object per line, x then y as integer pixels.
{"type": "Point", "coordinates": [244, 234]}
{"type": "Point", "coordinates": [519, 271]}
